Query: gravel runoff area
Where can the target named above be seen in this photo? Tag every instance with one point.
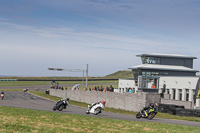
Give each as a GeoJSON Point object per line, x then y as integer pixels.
{"type": "Point", "coordinates": [30, 101]}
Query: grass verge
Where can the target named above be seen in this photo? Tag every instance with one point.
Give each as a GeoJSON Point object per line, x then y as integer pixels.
{"type": "Point", "coordinates": [25, 120]}
{"type": "Point", "coordinates": [11, 89]}
{"type": "Point", "coordinates": [36, 83]}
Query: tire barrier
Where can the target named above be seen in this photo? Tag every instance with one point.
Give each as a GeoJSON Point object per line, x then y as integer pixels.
{"type": "Point", "coordinates": [178, 110]}
{"type": "Point", "coordinates": [168, 108]}
{"type": "Point", "coordinates": [164, 108]}
{"type": "Point", "coordinates": [197, 113]}
{"type": "Point", "coordinates": [184, 112]}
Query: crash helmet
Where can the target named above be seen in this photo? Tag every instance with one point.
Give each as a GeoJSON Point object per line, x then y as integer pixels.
{"type": "Point", "coordinates": [156, 104]}
{"type": "Point", "coordinates": [103, 102]}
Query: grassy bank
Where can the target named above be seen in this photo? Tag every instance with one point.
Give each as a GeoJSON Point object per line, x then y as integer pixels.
{"type": "Point", "coordinates": [25, 120]}
{"type": "Point", "coordinates": [70, 83]}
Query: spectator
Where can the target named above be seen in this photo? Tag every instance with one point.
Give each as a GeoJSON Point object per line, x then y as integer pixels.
{"type": "Point", "coordinates": [104, 90]}
{"type": "Point", "coordinates": [95, 88]}
{"type": "Point", "coordinates": [107, 89]}
{"type": "Point", "coordinates": [130, 90]}
{"type": "Point", "coordinates": [101, 89]}
{"type": "Point", "coordinates": [98, 88]}
{"type": "Point", "coordinates": [51, 86]}
{"type": "Point", "coordinates": [111, 88]}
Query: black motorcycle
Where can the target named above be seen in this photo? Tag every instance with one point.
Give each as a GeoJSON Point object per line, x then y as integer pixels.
{"type": "Point", "coordinates": [151, 113]}
{"type": "Point", "coordinates": [61, 104]}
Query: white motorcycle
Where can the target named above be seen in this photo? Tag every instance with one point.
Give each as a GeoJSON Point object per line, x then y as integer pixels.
{"type": "Point", "coordinates": [96, 108]}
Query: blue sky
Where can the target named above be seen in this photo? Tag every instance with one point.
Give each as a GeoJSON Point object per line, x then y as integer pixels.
{"type": "Point", "coordinates": [106, 34]}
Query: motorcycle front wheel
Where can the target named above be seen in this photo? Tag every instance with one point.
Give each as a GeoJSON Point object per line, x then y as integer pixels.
{"type": "Point", "coordinates": [87, 112]}
{"type": "Point", "coordinates": [138, 115]}
{"type": "Point", "coordinates": [54, 108]}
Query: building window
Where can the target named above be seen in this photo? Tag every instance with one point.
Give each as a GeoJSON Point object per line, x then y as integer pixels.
{"type": "Point", "coordinates": [154, 73]}
{"type": "Point", "coordinates": [150, 60]}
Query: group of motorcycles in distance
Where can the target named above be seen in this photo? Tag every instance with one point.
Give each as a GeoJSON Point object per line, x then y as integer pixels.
{"type": "Point", "coordinates": [148, 112]}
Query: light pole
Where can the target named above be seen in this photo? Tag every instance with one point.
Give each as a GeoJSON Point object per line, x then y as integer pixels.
{"type": "Point", "coordinates": [86, 81]}
{"type": "Point", "coordinates": [74, 70]}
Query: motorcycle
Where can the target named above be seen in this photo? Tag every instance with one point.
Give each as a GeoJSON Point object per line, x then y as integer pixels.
{"type": "Point", "coordinates": [96, 108]}
{"type": "Point", "coordinates": [150, 115]}
{"type": "Point", "coordinates": [2, 96]}
{"type": "Point", "coordinates": [61, 104]}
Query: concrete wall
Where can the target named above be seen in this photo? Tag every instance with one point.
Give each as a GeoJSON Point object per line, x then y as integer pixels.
{"type": "Point", "coordinates": [125, 84]}
{"type": "Point", "coordinates": [187, 104]}
{"type": "Point", "coordinates": [125, 101]}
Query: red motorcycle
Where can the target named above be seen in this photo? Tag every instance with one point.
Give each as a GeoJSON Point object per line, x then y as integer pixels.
{"type": "Point", "coordinates": [2, 96]}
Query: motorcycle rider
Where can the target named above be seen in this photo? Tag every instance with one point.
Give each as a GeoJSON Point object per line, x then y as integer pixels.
{"type": "Point", "coordinates": [64, 102]}
{"type": "Point", "coordinates": [2, 95]}
{"type": "Point", "coordinates": [145, 110]}
{"type": "Point", "coordinates": [103, 102]}
{"type": "Point", "coordinates": [65, 99]}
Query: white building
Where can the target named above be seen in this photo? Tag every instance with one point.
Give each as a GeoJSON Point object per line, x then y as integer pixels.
{"type": "Point", "coordinates": [164, 73]}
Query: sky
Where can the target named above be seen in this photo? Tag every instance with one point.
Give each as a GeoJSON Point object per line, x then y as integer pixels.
{"type": "Point", "coordinates": [105, 34]}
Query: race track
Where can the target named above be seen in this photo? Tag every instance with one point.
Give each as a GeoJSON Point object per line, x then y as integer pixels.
{"type": "Point", "coordinates": [29, 101]}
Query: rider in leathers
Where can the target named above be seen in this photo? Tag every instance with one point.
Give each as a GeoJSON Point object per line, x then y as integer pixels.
{"type": "Point", "coordinates": [103, 102]}
{"type": "Point", "coordinates": [145, 110]}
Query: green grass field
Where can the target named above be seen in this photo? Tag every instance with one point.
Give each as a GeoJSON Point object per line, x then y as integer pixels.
{"type": "Point", "coordinates": [17, 120]}
{"type": "Point", "coordinates": [62, 83]}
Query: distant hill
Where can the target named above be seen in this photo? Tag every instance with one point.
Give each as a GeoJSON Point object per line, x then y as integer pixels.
{"type": "Point", "coordinates": [121, 74]}
{"type": "Point", "coordinates": [116, 75]}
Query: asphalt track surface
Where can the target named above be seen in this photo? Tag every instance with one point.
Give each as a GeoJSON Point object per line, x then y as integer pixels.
{"type": "Point", "coordinates": [30, 101]}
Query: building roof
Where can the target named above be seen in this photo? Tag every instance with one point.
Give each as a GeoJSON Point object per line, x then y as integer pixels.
{"type": "Point", "coordinates": [167, 55]}
{"type": "Point", "coordinates": [163, 67]}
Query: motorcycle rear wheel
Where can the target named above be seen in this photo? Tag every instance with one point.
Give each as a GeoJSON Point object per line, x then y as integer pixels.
{"type": "Point", "coordinates": [61, 107]}
{"type": "Point", "coordinates": [151, 116]}
{"type": "Point", "coordinates": [97, 111]}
